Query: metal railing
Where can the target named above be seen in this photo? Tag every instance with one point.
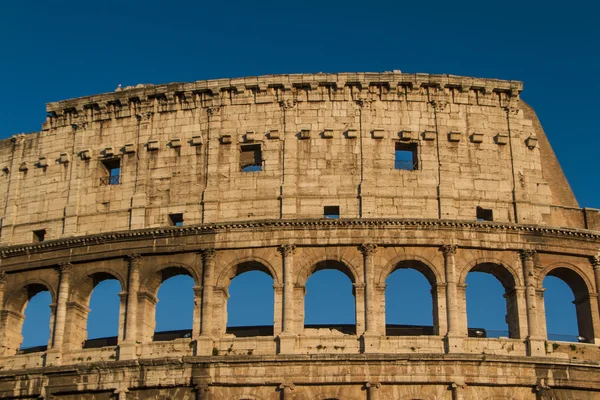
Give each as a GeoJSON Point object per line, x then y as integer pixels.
{"type": "Point", "coordinates": [252, 168]}
{"type": "Point", "coordinates": [405, 165]}
{"type": "Point", "coordinates": [110, 180]}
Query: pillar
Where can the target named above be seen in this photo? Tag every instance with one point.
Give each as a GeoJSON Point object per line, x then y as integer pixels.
{"type": "Point", "coordinates": [54, 354]}
{"type": "Point", "coordinates": [595, 307]}
{"type": "Point", "coordinates": [288, 391]}
{"type": "Point", "coordinates": [373, 390]}
{"type": "Point", "coordinates": [61, 305]}
{"type": "Point", "coordinates": [203, 392]}
{"type": "Point", "coordinates": [3, 345]}
{"type": "Point", "coordinates": [2, 289]}
{"type": "Point", "coordinates": [368, 250]}
{"type": "Point", "coordinates": [133, 287]}
{"type": "Point", "coordinates": [205, 341]}
{"type": "Point", "coordinates": [287, 338]}
{"type": "Point", "coordinates": [127, 349]}
{"type": "Point", "coordinates": [371, 337]}
{"type": "Point", "coordinates": [535, 341]}
{"type": "Point", "coordinates": [197, 312]}
{"type": "Point", "coordinates": [454, 335]}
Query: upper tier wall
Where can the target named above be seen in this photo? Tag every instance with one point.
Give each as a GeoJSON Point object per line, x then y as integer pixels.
{"type": "Point", "coordinates": [325, 140]}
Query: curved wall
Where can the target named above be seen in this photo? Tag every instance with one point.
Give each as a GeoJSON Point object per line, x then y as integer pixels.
{"type": "Point", "coordinates": [180, 148]}
{"type": "Point", "coordinates": [325, 140]}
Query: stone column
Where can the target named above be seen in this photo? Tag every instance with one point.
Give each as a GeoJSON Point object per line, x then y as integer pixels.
{"type": "Point", "coordinates": [368, 250]}
{"type": "Point", "coordinates": [3, 345]}
{"type": "Point", "coordinates": [61, 305]}
{"type": "Point", "coordinates": [535, 341]}
{"type": "Point", "coordinates": [133, 287]}
{"type": "Point", "coordinates": [287, 338]}
{"type": "Point", "coordinates": [288, 391]}
{"type": "Point", "coordinates": [371, 337]}
{"type": "Point", "coordinates": [454, 335]}
{"type": "Point", "coordinates": [196, 321]}
{"type": "Point", "coordinates": [54, 353]}
{"type": "Point", "coordinates": [206, 321]}
{"type": "Point", "coordinates": [2, 289]}
{"type": "Point", "coordinates": [596, 264]}
{"type": "Point", "coordinates": [373, 390]}
{"type": "Point", "coordinates": [203, 392]}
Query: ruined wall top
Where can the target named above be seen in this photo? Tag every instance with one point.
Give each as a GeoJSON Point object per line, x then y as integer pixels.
{"type": "Point", "coordinates": [282, 147]}
{"type": "Point", "coordinates": [272, 88]}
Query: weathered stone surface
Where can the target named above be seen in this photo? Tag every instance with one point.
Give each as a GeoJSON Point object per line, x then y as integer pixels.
{"type": "Point", "coordinates": [312, 141]}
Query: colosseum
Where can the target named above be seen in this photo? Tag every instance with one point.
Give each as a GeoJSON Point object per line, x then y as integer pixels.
{"type": "Point", "coordinates": [364, 173]}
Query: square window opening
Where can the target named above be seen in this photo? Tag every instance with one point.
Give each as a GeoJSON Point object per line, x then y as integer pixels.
{"type": "Point", "coordinates": [251, 158]}
{"type": "Point", "coordinates": [332, 212]}
{"type": "Point", "coordinates": [484, 214]}
{"type": "Point", "coordinates": [111, 171]}
{"type": "Point", "coordinates": [176, 219]}
{"type": "Point", "coordinates": [39, 235]}
{"type": "Point", "coordinates": [406, 156]}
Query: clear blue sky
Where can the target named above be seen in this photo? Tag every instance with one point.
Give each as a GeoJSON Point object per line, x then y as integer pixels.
{"type": "Point", "coordinates": [64, 49]}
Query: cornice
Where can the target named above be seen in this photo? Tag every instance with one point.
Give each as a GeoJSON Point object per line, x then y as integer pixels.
{"type": "Point", "coordinates": [166, 232]}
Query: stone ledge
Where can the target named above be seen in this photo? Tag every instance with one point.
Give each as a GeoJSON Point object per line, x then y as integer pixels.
{"type": "Point", "coordinates": [163, 232]}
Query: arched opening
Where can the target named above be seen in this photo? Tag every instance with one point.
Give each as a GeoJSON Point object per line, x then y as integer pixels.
{"type": "Point", "coordinates": [330, 298]}
{"type": "Point", "coordinates": [104, 314]}
{"type": "Point", "coordinates": [36, 311]}
{"type": "Point", "coordinates": [567, 305]}
{"type": "Point", "coordinates": [492, 308]}
{"type": "Point", "coordinates": [174, 312]}
{"type": "Point", "coordinates": [410, 304]}
{"type": "Point", "coordinates": [93, 312]}
{"type": "Point", "coordinates": [251, 304]}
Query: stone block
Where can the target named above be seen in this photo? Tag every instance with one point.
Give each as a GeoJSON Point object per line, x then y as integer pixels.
{"type": "Point", "coordinates": [477, 137]}
{"type": "Point", "coordinates": [304, 134]}
{"type": "Point", "coordinates": [531, 142]}
{"type": "Point", "coordinates": [153, 145]}
{"type": "Point", "coordinates": [429, 135]}
{"type": "Point", "coordinates": [378, 133]}
{"type": "Point", "coordinates": [454, 136]}
{"type": "Point", "coordinates": [501, 138]}
{"type": "Point", "coordinates": [196, 141]}
{"type": "Point", "coordinates": [352, 133]}
{"type": "Point", "coordinates": [129, 148]}
{"type": "Point", "coordinates": [175, 143]}
{"type": "Point", "coordinates": [327, 133]}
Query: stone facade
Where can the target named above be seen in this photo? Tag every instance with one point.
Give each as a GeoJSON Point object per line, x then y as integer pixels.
{"type": "Point", "coordinates": [249, 167]}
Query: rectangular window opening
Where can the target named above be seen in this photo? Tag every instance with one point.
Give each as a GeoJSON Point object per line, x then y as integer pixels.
{"type": "Point", "coordinates": [111, 171]}
{"type": "Point", "coordinates": [39, 235]}
{"type": "Point", "coordinates": [251, 158]}
{"type": "Point", "coordinates": [176, 219]}
{"type": "Point", "coordinates": [484, 214]}
{"type": "Point", "coordinates": [332, 212]}
{"type": "Point", "coordinates": [406, 156]}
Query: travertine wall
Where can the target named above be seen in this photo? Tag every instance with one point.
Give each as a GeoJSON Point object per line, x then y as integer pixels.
{"type": "Point", "coordinates": [326, 140]}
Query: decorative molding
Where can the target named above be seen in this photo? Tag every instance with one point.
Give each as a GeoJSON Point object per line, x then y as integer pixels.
{"type": "Point", "coordinates": [287, 250]}
{"type": "Point", "coordinates": [527, 255]}
{"type": "Point", "coordinates": [208, 254]}
{"type": "Point", "coordinates": [177, 231]}
{"type": "Point", "coordinates": [448, 249]}
{"type": "Point", "coordinates": [368, 249]}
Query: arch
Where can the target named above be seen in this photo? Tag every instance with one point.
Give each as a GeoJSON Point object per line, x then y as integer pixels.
{"type": "Point", "coordinates": [404, 328]}
{"type": "Point", "coordinates": [13, 318]}
{"type": "Point", "coordinates": [245, 264]}
{"type": "Point", "coordinates": [417, 263]}
{"type": "Point", "coordinates": [508, 278]}
{"type": "Point", "coordinates": [580, 286]}
{"type": "Point", "coordinates": [76, 333]}
{"type": "Point", "coordinates": [160, 273]}
{"type": "Point", "coordinates": [506, 274]}
{"type": "Point", "coordinates": [578, 278]}
{"type": "Point", "coordinates": [17, 299]}
{"type": "Point", "coordinates": [252, 301]}
{"type": "Point", "coordinates": [323, 262]}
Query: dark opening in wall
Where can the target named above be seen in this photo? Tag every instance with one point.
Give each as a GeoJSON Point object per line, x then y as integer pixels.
{"type": "Point", "coordinates": [250, 158]}
{"type": "Point", "coordinates": [331, 211]}
{"type": "Point", "coordinates": [39, 235]}
{"type": "Point", "coordinates": [484, 214]}
{"type": "Point", "coordinates": [406, 156]}
{"type": "Point", "coordinates": [176, 219]}
{"type": "Point", "coordinates": [110, 171]}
